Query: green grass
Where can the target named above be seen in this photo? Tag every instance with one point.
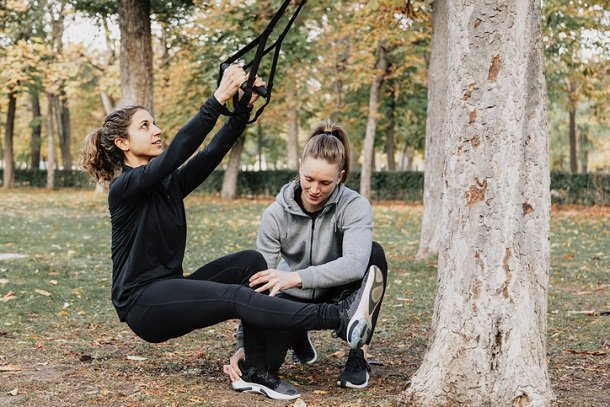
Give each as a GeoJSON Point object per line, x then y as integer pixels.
{"type": "Point", "coordinates": [63, 338]}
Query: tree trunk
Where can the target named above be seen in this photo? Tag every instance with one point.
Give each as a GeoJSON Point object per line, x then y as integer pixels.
{"type": "Point", "coordinates": [338, 73]}
{"type": "Point", "coordinates": [62, 133]}
{"type": "Point", "coordinates": [573, 141]}
{"type": "Point", "coordinates": [9, 130]}
{"type": "Point", "coordinates": [136, 53]}
{"type": "Point", "coordinates": [584, 152]}
{"type": "Point", "coordinates": [409, 157]}
{"type": "Point", "coordinates": [390, 147]}
{"type": "Point", "coordinates": [51, 142]}
{"type": "Point", "coordinates": [36, 141]}
{"type": "Point", "coordinates": [259, 145]}
{"type": "Point", "coordinates": [107, 102]}
{"type": "Point", "coordinates": [488, 340]}
{"type": "Point", "coordinates": [229, 180]}
{"type": "Point", "coordinates": [435, 134]}
{"type": "Point", "coordinates": [65, 129]}
{"type": "Point", "coordinates": [371, 124]}
{"type": "Point", "coordinates": [293, 132]}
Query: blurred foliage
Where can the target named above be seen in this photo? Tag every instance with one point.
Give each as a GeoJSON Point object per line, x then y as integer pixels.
{"type": "Point", "coordinates": [324, 71]}
{"type": "Point", "coordinates": [577, 53]}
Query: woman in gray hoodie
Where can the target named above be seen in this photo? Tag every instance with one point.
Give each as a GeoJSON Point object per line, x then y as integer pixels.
{"type": "Point", "coordinates": [317, 241]}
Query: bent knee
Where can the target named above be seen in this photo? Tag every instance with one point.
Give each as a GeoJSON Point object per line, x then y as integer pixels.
{"type": "Point", "coordinates": [255, 259]}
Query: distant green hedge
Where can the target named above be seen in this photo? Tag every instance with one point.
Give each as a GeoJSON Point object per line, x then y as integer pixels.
{"type": "Point", "coordinates": [38, 178]}
{"type": "Point", "coordinates": [586, 189]}
{"type": "Point", "coordinates": [566, 188]}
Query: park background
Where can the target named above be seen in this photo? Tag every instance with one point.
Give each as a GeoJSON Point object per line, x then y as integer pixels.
{"type": "Point", "coordinates": [363, 64]}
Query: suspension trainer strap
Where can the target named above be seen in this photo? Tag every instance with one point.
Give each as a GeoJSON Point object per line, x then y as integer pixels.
{"type": "Point", "coordinates": [261, 51]}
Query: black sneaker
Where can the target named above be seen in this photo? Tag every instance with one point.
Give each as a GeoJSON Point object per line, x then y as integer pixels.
{"type": "Point", "coordinates": [303, 350]}
{"type": "Point", "coordinates": [266, 382]}
{"type": "Point", "coordinates": [357, 310]}
{"type": "Point", "coordinates": [356, 372]}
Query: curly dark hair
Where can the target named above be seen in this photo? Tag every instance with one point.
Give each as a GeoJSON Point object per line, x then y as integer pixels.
{"type": "Point", "coordinates": [101, 158]}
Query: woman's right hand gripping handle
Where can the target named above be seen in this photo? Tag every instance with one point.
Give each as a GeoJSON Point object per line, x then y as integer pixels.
{"type": "Point", "coordinates": [231, 80]}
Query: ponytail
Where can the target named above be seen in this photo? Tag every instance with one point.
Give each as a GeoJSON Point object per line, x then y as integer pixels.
{"type": "Point", "coordinates": [101, 158]}
{"type": "Point", "coordinates": [329, 141]}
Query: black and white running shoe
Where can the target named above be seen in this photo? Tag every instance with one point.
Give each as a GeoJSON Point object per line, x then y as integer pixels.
{"type": "Point", "coordinates": [357, 309]}
{"type": "Point", "coordinates": [303, 350]}
{"type": "Point", "coordinates": [356, 372]}
{"type": "Point", "coordinates": [266, 382]}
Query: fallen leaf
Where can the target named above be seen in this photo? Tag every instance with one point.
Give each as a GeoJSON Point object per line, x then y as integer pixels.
{"type": "Point", "coordinates": [53, 282]}
{"type": "Point", "coordinates": [8, 296]}
{"type": "Point", "coordinates": [10, 368]}
{"type": "Point", "coordinates": [13, 392]}
{"type": "Point", "coordinates": [299, 403]}
{"type": "Point", "coordinates": [585, 352]}
{"type": "Point", "coordinates": [136, 358]}
{"type": "Point", "coordinates": [338, 354]}
{"type": "Point", "coordinates": [42, 292]}
{"type": "Point", "coordinates": [3, 281]}
{"type": "Point", "coordinates": [587, 312]}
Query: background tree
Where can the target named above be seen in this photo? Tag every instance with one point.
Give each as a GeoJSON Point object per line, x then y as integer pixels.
{"type": "Point", "coordinates": [21, 67]}
{"type": "Point", "coordinates": [435, 133]}
{"type": "Point", "coordinates": [488, 340]}
{"type": "Point", "coordinates": [136, 54]}
{"type": "Point", "coordinates": [577, 54]}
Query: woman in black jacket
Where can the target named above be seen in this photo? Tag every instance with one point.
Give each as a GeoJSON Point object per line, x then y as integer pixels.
{"type": "Point", "coordinates": [149, 290]}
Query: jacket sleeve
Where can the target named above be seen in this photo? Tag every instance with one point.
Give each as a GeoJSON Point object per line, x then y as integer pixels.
{"type": "Point", "coordinates": [198, 168]}
{"type": "Point", "coordinates": [185, 143]}
{"type": "Point", "coordinates": [357, 228]}
{"type": "Point", "coordinates": [268, 240]}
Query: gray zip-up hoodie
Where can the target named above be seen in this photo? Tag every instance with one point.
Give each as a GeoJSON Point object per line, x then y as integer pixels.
{"type": "Point", "coordinates": [331, 250]}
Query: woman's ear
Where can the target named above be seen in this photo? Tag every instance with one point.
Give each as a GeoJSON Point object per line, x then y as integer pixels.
{"type": "Point", "coordinates": [341, 176]}
{"type": "Point", "coordinates": [122, 143]}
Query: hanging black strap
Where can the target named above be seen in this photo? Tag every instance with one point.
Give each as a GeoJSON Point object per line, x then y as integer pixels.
{"type": "Point", "coordinates": [261, 51]}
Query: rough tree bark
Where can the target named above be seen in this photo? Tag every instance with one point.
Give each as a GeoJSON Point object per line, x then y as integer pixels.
{"type": "Point", "coordinates": [136, 53]}
{"type": "Point", "coordinates": [435, 134]}
{"type": "Point", "coordinates": [488, 341]}
{"type": "Point", "coordinates": [369, 138]}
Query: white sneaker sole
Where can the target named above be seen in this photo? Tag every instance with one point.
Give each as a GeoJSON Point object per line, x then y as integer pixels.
{"type": "Point", "coordinates": [360, 325]}
{"type": "Point", "coordinates": [315, 353]}
{"type": "Point", "coordinates": [247, 387]}
{"type": "Point", "coordinates": [349, 385]}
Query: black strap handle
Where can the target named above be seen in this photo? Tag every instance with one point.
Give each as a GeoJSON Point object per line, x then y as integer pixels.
{"type": "Point", "coordinates": [261, 51]}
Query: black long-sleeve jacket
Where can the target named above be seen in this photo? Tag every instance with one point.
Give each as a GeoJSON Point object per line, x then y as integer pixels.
{"type": "Point", "coordinates": [147, 209]}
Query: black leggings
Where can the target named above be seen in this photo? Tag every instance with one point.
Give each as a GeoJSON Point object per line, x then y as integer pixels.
{"type": "Point", "coordinates": [268, 349]}
{"type": "Point", "coordinates": [217, 292]}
